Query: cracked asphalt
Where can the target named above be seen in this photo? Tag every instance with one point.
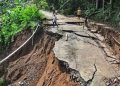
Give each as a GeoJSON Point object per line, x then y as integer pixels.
{"type": "Point", "coordinates": [82, 51]}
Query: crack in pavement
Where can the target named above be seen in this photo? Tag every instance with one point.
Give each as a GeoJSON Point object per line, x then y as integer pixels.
{"type": "Point", "coordinates": [88, 82]}
{"type": "Point", "coordinates": [74, 32]}
{"type": "Point", "coordinates": [106, 54]}
{"type": "Point", "coordinates": [80, 50]}
{"type": "Point", "coordinates": [91, 37]}
{"type": "Point", "coordinates": [93, 75]}
{"type": "Point", "coordinates": [70, 31]}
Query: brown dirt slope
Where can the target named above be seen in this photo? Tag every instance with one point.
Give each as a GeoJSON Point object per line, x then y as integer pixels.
{"type": "Point", "coordinates": [17, 41]}
{"type": "Point", "coordinates": [39, 67]}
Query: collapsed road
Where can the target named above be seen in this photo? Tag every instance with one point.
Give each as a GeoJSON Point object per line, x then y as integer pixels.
{"type": "Point", "coordinates": [67, 55]}
{"type": "Point", "coordinates": [82, 50]}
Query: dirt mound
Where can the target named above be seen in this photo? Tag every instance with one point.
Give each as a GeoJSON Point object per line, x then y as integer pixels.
{"type": "Point", "coordinates": [40, 66]}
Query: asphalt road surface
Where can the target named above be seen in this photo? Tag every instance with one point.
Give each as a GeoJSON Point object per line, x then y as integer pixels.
{"type": "Point", "coordinates": [81, 49]}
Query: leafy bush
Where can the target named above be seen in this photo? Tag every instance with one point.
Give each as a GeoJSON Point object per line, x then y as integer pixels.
{"type": "Point", "coordinates": [41, 4]}
{"type": "Point", "coordinates": [2, 82]}
{"type": "Point", "coordinates": [16, 19]}
{"type": "Point", "coordinates": [109, 13]}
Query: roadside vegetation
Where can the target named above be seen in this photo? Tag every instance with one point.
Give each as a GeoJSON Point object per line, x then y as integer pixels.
{"type": "Point", "coordinates": [105, 11]}
{"type": "Point", "coordinates": [2, 82]}
{"type": "Point", "coordinates": [17, 16]}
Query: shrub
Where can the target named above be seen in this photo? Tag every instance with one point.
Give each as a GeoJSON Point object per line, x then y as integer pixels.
{"type": "Point", "coordinates": [16, 19]}
{"type": "Point", "coordinates": [2, 82]}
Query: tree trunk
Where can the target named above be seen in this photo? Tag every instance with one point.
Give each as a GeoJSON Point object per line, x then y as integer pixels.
{"type": "Point", "coordinates": [111, 7]}
{"type": "Point", "coordinates": [97, 4]}
{"type": "Point", "coordinates": [110, 1]}
{"type": "Point", "coordinates": [111, 4]}
{"type": "Point", "coordinates": [103, 4]}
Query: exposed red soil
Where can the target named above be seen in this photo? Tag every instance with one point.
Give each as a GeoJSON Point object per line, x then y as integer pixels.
{"type": "Point", "coordinates": [53, 76]}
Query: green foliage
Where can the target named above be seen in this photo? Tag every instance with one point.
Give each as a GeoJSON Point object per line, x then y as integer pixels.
{"type": "Point", "coordinates": [16, 19]}
{"type": "Point", "coordinates": [89, 11]}
{"type": "Point", "coordinates": [107, 13]}
{"type": "Point", "coordinates": [41, 4]}
{"type": "Point", "coordinates": [2, 82]}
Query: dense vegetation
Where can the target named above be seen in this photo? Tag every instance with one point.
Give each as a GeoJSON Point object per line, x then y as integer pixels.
{"type": "Point", "coordinates": [100, 10]}
{"type": "Point", "coordinates": [2, 82]}
{"type": "Point", "coordinates": [16, 16]}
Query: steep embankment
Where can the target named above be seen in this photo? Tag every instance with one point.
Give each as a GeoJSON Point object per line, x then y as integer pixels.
{"type": "Point", "coordinates": [39, 66]}
{"type": "Point", "coordinates": [85, 51]}
{"type": "Point", "coordinates": [36, 64]}
{"type": "Point", "coordinates": [18, 40]}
